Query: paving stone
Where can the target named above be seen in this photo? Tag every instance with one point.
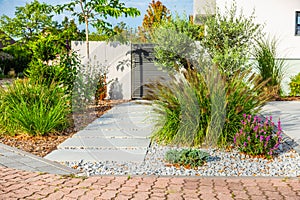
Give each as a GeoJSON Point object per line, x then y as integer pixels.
{"type": "Point", "coordinates": [60, 155]}
{"type": "Point", "coordinates": [289, 117]}
{"type": "Point", "coordinates": [126, 127]}
{"type": "Point", "coordinates": [113, 143]}
{"type": "Point", "coordinates": [121, 133]}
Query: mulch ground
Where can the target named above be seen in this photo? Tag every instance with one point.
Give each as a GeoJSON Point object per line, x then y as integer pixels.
{"type": "Point", "coordinates": [43, 145]}
{"type": "Point", "coordinates": [288, 98]}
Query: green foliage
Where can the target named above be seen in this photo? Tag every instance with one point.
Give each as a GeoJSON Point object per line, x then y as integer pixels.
{"type": "Point", "coordinates": [257, 137]}
{"type": "Point", "coordinates": [184, 110]}
{"type": "Point", "coordinates": [62, 72]}
{"type": "Point", "coordinates": [268, 66]}
{"type": "Point", "coordinates": [18, 60]}
{"type": "Point", "coordinates": [46, 47]}
{"type": "Point", "coordinates": [5, 40]}
{"type": "Point", "coordinates": [175, 43]}
{"type": "Point", "coordinates": [295, 85]}
{"type": "Point", "coordinates": [187, 157]}
{"type": "Point", "coordinates": [35, 109]}
{"type": "Point", "coordinates": [88, 84]}
{"type": "Point", "coordinates": [243, 95]}
{"type": "Point", "coordinates": [96, 12]}
{"type": "Point", "coordinates": [203, 108]}
{"type": "Point", "coordinates": [229, 38]}
{"type": "Point", "coordinates": [29, 20]}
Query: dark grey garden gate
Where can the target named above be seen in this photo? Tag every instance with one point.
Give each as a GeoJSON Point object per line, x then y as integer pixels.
{"type": "Point", "coordinates": [144, 71]}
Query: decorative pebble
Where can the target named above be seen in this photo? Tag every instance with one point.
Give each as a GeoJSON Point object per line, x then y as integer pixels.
{"type": "Point", "coordinates": [220, 163]}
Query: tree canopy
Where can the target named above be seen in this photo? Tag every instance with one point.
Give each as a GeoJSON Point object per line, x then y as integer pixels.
{"type": "Point", "coordinates": [29, 20]}
{"type": "Point", "coordinates": [156, 14]}
{"type": "Point", "coordinates": [96, 12]}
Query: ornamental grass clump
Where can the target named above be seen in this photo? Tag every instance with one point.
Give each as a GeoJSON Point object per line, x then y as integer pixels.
{"type": "Point", "coordinates": [258, 137]}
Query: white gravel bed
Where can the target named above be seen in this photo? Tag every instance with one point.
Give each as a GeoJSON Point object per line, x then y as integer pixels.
{"type": "Point", "coordinates": [219, 163]}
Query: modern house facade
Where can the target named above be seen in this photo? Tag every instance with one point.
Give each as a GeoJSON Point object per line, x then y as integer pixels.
{"type": "Point", "coordinates": [131, 67]}
{"type": "Point", "coordinates": [281, 19]}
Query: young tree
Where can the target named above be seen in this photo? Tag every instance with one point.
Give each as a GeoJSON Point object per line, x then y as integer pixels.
{"type": "Point", "coordinates": [95, 12]}
{"type": "Point", "coordinates": [156, 14]}
{"type": "Point", "coordinates": [175, 43]}
{"type": "Point", "coordinates": [29, 21]}
{"type": "Point", "coordinates": [229, 39]}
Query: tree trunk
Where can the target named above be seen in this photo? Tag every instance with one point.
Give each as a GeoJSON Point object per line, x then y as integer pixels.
{"type": "Point", "coordinates": [87, 38]}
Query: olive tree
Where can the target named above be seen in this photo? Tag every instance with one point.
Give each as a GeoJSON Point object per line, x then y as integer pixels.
{"type": "Point", "coordinates": [229, 38]}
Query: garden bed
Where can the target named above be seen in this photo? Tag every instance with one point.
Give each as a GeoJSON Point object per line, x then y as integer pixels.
{"type": "Point", "coordinates": [43, 145]}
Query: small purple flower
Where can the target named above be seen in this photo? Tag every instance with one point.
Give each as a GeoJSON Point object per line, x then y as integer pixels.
{"type": "Point", "coordinates": [245, 144]}
{"type": "Point", "coordinates": [271, 118]}
{"type": "Point", "coordinates": [255, 128]}
{"type": "Point", "coordinates": [278, 133]}
{"type": "Point", "coordinates": [234, 139]}
{"type": "Point", "coordinates": [244, 115]}
{"type": "Point", "coordinates": [261, 138]}
{"type": "Point", "coordinates": [254, 119]}
{"type": "Point", "coordinates": [243, 122]}
{"type": "Point", "coordinates": [279, 125]}
{"type": "Point", "coordinates": [249, 118]}
{"type": "Point", "coordinates": [248, 138]}
{"type": "Point", "coordinates": [268, 138]}
{"type": "Point", "coordinates": [256, 136]}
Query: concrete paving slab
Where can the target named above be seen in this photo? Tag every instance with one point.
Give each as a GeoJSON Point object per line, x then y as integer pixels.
{"type": "Point", "coordinates": [134, 120]}
{"type": "Point", "coordinates": [289, 114]}
{"type": "Point", "coordinates": [92, 155]}
{"type": "Point", "coordinates": [119, 134]}
{"type": "Point", "coordinates": [114, 133]}
{"type": "Point", "coordinates": [119, 126]}
{"type": "Point", "coordinates": [17, 159]}
{"type": "Point", "coordinates": [131, 116]}
{"type": "Point", "coordinates": [111, 143]}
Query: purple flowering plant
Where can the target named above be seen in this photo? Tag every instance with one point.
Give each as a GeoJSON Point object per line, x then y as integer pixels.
{"type": "Point", "coordinates": [257, 136]}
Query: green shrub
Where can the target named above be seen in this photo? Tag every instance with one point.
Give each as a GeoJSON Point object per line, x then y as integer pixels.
{"type": "Point", "coordinates": [295, 85]}
{"type": "Point", "coordinates": [175, 43]}
{"type": "Point", "coordinates": [257, 137]}
{"type": "Point", "coordinates": [20, 58]}
{"type": "Point", "coordinates": [33, 108]}
{"type": "Point", "coordinates": [187, 157]}
{"type": "Point", "coordinates": [89, 84]}
{"type": "Point", "coordinates": [243, 95]}
{"type": "Point", "coordinates": [229, 39]}
{"type": "Point", "coordinates": [268, 66]}
{"type": "Point", "coordinates": [199, 110]}
{"type": "Point", "coordinates": [62, 71]}
{"type": "Point", "coordinates": [184, 110]}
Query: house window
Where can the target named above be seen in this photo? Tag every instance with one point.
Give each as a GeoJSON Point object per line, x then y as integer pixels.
{"type": "Point", "coordinates": [297, 31]}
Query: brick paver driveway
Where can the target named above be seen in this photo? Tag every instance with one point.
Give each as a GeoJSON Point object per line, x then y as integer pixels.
{"type": "Point", "coordinates": [16, 184]}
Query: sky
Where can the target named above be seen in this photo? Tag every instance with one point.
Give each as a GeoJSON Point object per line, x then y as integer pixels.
{"type": "Point", "coordinates": [7, 7]}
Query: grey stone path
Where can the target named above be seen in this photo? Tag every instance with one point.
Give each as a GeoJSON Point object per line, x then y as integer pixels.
{"type": "Point", "coordinates": [121, 134]}
{"type": "Point", "coordinates": [289, 114]}
{"type": "Point", "coordinates": [14, 158]}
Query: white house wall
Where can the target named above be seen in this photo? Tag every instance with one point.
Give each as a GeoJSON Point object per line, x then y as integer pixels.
{"type": "Point", "coordinates": [117, 58]}
{"type": "Point", "coordinates": [279, 20]}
